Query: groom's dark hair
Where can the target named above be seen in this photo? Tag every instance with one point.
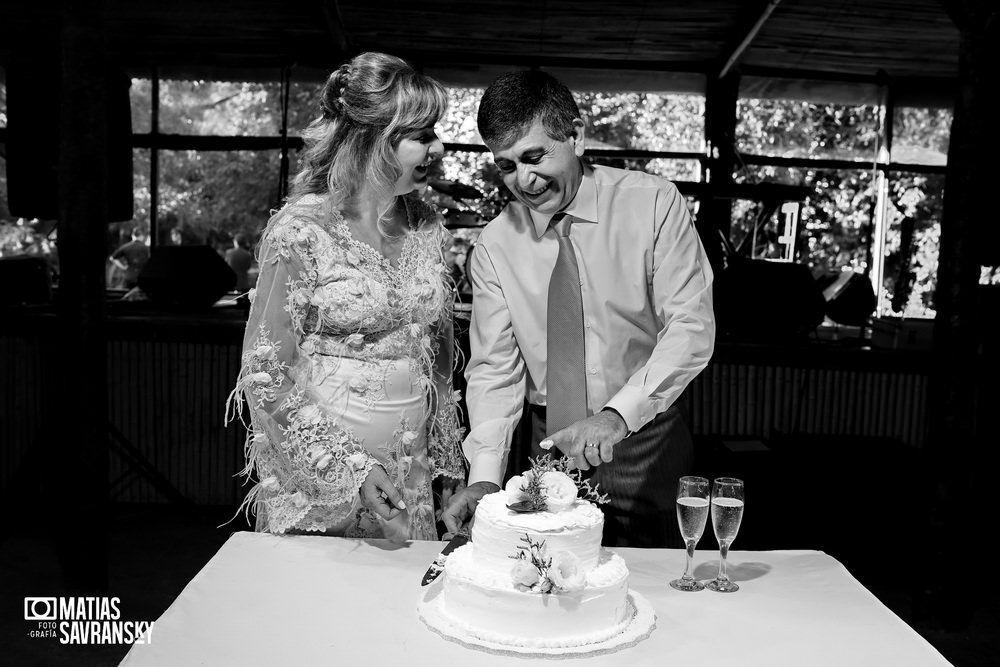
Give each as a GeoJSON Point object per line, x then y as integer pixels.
{"type": "Point", "coordinates": [514, 100]}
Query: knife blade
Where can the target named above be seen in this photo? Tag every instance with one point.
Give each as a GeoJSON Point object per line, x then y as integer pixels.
{"type": "Point", "coordinates": [437, 566]}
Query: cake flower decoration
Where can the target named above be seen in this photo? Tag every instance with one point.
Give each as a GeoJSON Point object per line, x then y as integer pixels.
{"type": "Point", "coordinates": [550, 485]}
{"type": "Point", "coordinates": [535, 572]}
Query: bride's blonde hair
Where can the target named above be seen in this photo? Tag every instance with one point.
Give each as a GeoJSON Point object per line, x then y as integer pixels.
{"type": "Point", "coordinates": [368, 105]}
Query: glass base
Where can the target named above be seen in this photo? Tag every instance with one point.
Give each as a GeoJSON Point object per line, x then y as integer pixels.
{"type": "Point", "coordinates": [687, 584]}
{"type": "Point", "coordinates": [722, 586]}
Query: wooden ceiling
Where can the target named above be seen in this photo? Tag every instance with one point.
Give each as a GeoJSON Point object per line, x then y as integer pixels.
{"type": "Point", "coordinates": [905, 39]}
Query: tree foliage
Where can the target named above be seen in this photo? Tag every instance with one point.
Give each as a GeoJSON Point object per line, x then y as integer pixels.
{"type": "Point", "coordinates": [211, 195]}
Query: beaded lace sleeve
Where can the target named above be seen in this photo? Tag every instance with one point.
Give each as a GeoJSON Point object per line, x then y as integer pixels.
{"type": "Point", "coordinates": [303, 462]}
{"type": "Point", "coordinates": [446, 432]}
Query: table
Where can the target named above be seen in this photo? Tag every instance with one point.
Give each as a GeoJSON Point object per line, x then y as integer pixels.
{"type": "Point", "coordinates": [314, 600]}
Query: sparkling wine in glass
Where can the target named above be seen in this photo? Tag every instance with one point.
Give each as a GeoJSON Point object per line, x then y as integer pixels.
{"type": "Point", "coordinates": [727, 513]}
{"type": "Point", "coordinates": [692, 514]}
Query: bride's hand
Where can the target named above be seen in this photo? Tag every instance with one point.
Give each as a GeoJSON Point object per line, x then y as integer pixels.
{"type": "Point", "coordinates": [380, 496]}
{"type": "Point", "coordinates": [449, 487]}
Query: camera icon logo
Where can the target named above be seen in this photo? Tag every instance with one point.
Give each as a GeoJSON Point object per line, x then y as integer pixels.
{"type": "Point", "coordinates": [40, 609]}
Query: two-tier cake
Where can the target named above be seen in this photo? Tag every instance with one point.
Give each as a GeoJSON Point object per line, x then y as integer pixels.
{"type": "Point", "coordinates": [537, 579]}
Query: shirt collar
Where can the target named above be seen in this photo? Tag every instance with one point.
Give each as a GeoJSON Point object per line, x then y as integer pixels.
{"type": "Point", "coordinates": [583, 207]}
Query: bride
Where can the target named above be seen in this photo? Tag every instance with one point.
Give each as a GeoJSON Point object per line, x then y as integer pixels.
{"type": "Point", "coordinates": [348, 351]}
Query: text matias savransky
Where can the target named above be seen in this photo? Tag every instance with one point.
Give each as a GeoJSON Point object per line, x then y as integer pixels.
{"type": "Point", "coordinates": [84, 620]}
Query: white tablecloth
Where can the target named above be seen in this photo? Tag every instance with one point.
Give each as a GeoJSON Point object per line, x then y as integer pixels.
{"type": "Point", "coordinates": [269, 600]}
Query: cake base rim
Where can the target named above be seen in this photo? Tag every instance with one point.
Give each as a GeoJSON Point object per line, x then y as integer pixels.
{"type": "Point", "coordinates": [639, 626]}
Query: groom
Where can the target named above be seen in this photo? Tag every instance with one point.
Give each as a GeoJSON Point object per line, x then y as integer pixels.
{"type": "Point", "coordinates": [592, 298]}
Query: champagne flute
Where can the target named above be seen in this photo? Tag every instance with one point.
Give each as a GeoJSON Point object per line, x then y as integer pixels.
{"type": "Point", "coordinates": [727, 513]}
{"type": "Point", "coordinates": [692, 514]}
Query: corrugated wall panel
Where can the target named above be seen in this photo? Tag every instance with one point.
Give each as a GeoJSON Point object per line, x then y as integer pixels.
{"type": "Point", "coordinates": [751, 401]}
{"type": "Point", "coordinates": [167, 400]}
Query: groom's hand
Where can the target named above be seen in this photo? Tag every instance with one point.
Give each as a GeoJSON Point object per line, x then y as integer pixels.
{"type": "Point", "coordinates": [591, 441]}
{"type": "Point", "coordinates": [462, 505]}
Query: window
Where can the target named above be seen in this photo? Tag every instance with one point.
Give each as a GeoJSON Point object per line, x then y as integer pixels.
{"type": "Point", "coordinates": [920, 135]}
{"type": "Point", "coordinates": [220, 108]}
{"type": "Point", "coordinates": [790, 128]}
{"type": "Point", "coordinates": [833, 218]}
{"type": "Point", "coordinates": [5, 215]}
{"type": "Point", "coordinates": [215, 154]}
{"type": "Point", "coordinates": [207, 197]}
{"type": "Point", "coordinates": [913, 234]}
{"type": "Point", "coordinates": [881, 217]}
{"type": "Point", "coordinates": [644, 121]}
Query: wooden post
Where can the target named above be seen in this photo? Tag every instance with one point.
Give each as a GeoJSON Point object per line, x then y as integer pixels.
{"type": "Point", "coordinates": [962, 458]}
{"type": "Point", "coordinates": [81, 395]}
{"type": "Point", "coordinates": [715, 214]}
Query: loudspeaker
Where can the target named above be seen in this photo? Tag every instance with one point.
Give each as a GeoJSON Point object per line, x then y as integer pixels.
{"type": "Point", "coordinates": [850, 299]}
{"type": "Point", "coordinates": [33, 108]}
{"type": "Point", "coordinates": [25, 280]}
{"type": "Point", "coordinates": [763, 301]}
{"type": "Point", "coordinates": [193, 276]}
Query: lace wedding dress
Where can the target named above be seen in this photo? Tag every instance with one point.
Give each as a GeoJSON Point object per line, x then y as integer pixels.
{"type": "Point", "coordinates": [347, 363]}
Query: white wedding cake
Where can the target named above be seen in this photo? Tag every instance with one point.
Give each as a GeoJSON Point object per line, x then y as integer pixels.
{"type": "Point", "coordinates": [537, 580]}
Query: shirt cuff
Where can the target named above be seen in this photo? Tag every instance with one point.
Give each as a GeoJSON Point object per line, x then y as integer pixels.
{"type": "Point", "coordinates": [487, 467]}
{"type": "Point", "coordinates": [635, 408]}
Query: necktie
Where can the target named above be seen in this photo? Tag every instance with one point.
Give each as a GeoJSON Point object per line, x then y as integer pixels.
{"type": "Point", "coordinates": [566, 376]}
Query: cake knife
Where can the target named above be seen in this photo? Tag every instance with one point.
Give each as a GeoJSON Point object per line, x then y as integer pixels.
{"type": "Point", "coordinates": [437, 567]}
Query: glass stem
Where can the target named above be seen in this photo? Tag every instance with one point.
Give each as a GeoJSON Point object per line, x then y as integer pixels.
{"type": "Point", "coordinates": [690, 545]}
{"type": "Point", "coordinates": [723, 552]}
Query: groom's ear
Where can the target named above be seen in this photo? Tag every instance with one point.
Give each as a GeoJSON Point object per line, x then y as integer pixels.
{"type": "Point", "coordinates": [577, 136]}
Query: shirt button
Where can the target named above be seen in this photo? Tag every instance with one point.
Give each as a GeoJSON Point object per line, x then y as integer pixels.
{"type": "Point", "coordinates": [593, 371]}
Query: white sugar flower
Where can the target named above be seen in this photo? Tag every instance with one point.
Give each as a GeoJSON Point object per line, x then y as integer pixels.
{"type": "Point", "coordinates": [565, 572]}
{"type": "Point", "coordinates": [524, 575]}
{"type": "Point", "coordinates": [559, 489]}
{"type": "Point", "coordinates": [515, 488]}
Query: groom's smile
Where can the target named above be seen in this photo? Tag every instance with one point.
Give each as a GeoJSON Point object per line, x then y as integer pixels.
{"type": "Point", "coordinates": [541, 172]}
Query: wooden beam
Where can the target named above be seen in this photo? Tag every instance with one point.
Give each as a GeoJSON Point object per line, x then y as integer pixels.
{"type": "Point", "coordinates": [749, 37]}
{"type": "Point", "coordinates": [335, 26]}
{"type": "Point", "coordinates": [81, 392]}
{"type": "Point", "coordinates": [956, 11]}
{"type": "Point", "coordinates": [963, 383]}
